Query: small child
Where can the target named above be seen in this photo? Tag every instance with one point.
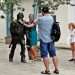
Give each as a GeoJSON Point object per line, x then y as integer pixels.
{"type": "Point", "coordinates": [72, 40]}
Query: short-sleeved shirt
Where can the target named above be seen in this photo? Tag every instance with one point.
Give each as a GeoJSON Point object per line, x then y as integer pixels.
{"type": "Point", "coordinates": [44, 27]}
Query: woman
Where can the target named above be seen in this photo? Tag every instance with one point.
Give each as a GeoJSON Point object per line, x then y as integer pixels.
{"type": "Point", "coordinates": [31, 39]}
{"type": "Point", "coordinates": [72, 40]}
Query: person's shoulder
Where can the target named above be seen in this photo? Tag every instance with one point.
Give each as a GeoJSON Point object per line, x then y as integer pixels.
{"type": "Point", "coordinates": [51, 17]}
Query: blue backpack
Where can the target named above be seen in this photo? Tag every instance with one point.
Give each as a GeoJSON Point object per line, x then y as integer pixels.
{"type": "Point", "coordinates": [55, 31]}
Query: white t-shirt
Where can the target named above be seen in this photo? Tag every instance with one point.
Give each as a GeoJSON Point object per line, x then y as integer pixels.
{"type": "Point", "coordinates": [72, 35]}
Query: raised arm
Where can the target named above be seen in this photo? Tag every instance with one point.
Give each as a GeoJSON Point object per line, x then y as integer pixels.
{"type": "Point", "coordinates": [27, 24]}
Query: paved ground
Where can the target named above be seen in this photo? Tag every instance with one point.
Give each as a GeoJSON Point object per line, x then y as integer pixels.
{"type": "Point", "coordinates": [17, 68]}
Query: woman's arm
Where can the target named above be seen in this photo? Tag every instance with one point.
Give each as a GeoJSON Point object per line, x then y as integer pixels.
{"type": "Point", "coordinates": [27, 24]}
{"type": "Point", "coordinates": [31, 25]}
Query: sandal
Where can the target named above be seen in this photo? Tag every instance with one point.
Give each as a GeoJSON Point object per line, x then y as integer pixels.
{"type": "Point", "coordinates": [45, 72]}
{"type": "Point", "coordinates": [56, 71]}
{"type": "Point", "coordinates": [71, 59]}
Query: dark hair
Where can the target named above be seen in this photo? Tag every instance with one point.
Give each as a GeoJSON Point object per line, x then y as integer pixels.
{"type": "Point", "coordinates": [20, 15]}
{"type": "Point", "coordinates": [45, 9]}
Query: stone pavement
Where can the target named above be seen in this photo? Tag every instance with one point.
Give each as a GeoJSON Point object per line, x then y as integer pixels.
{"type": "Point", "coordinates": [33, 68]}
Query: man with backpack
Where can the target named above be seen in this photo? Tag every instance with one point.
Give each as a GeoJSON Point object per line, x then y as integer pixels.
{"type": "Point", "coordinates": [45, 24]}
{"type": "Point", "coordinates": [17, 31]}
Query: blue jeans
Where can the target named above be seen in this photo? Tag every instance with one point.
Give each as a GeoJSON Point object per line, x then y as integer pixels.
{"type": "Point", "coordinates": [47, 48]}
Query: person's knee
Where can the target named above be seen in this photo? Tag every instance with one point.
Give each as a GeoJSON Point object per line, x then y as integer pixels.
{"type": "Point", "coordinates": [52, 50]}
